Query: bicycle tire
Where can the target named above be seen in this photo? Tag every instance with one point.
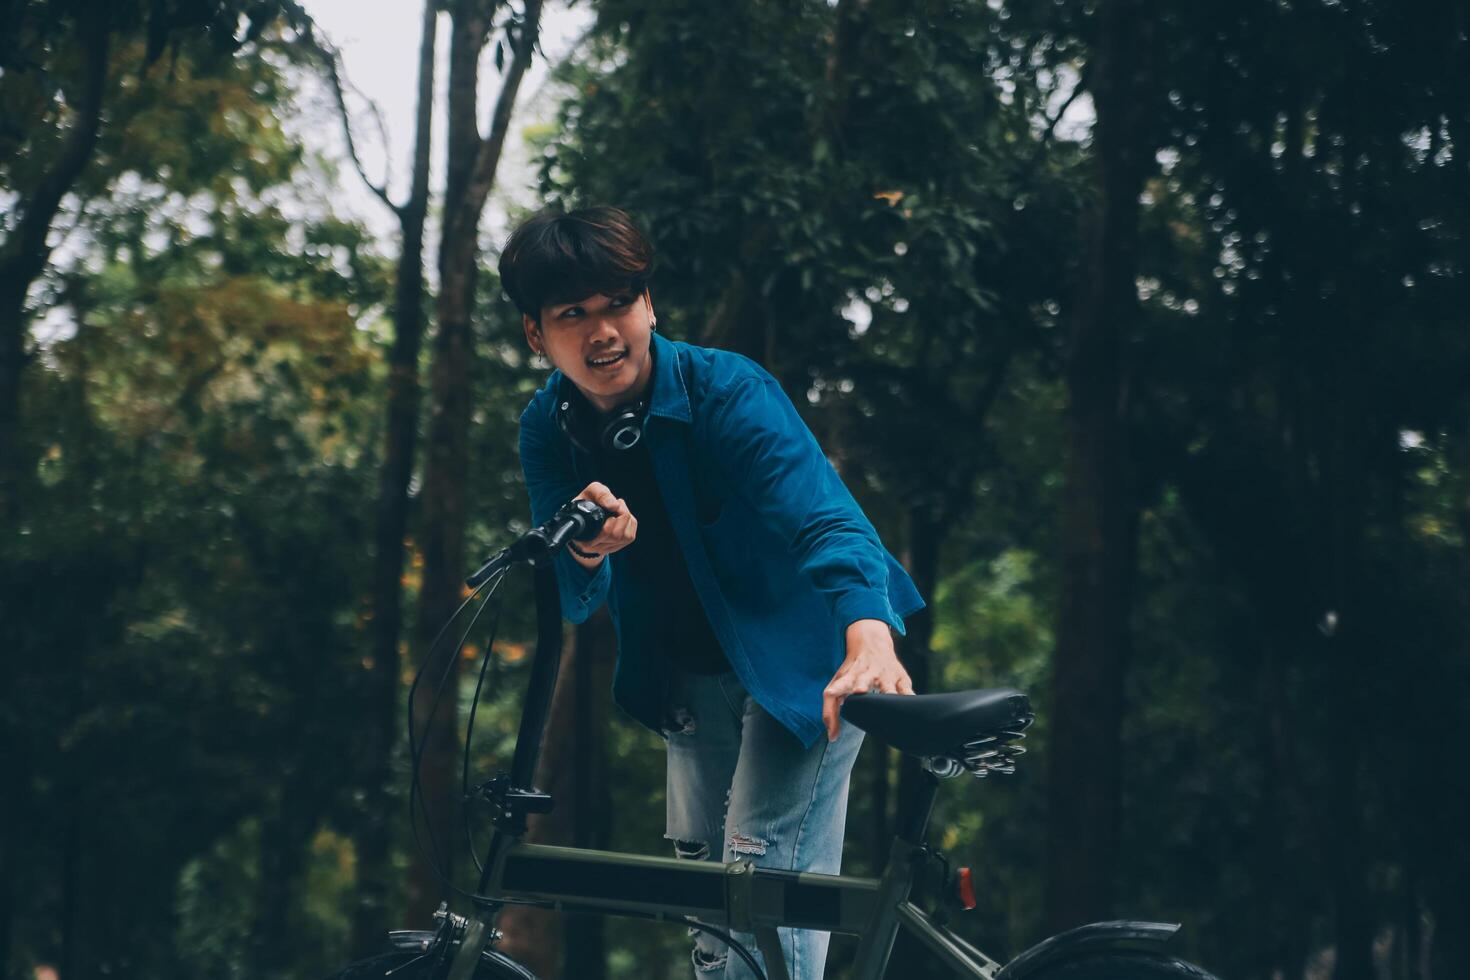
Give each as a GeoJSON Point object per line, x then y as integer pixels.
{"type": "Point", "coordinates": [403, 965]}
{"type": "Point", "coordinates": [1119, 965]}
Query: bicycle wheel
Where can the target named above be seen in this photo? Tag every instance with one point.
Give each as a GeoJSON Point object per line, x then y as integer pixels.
{"type": "Point", "coordinates": [1119, 965]}
{"type": "Point", "coordinates": [409, 965]}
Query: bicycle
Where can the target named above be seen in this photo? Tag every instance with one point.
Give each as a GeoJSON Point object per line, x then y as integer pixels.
{"type": "Point", "coordinates": [975, 732]}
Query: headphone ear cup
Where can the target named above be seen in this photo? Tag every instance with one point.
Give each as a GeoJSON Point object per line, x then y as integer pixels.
{"type": "Point", "coordinates": [620, 432]}
{"type": "Point", "coordinates": [623, 431]}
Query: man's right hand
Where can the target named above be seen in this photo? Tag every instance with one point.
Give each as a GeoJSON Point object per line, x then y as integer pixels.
{"type": "Point", "coordinates": [618, 531]}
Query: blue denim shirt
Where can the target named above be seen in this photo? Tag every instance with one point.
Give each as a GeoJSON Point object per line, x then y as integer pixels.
{"type": "Point", "coordinates": [780, 554]}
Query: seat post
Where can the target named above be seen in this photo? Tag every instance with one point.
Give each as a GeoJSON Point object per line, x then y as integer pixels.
{"type": "Point", "coordinates": [897, 882]}
{"type": "Point", "coordinates": [914, 809]}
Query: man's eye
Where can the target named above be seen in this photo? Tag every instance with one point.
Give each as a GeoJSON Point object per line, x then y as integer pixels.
{"type": "Point", "coordinates": [569, 313]}
{"type": "Point", "coordinates": [620, 301]}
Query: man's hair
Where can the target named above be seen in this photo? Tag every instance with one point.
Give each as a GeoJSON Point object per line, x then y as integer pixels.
{"type": "Point", "coordinates": [562, 257]}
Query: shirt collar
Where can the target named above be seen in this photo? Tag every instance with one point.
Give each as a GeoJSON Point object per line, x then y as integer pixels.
{"type": "Point", "coordinates": [670, 396]}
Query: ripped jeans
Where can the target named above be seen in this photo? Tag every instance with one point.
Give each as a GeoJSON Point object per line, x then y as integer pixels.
{"type": "Point", "coordinates": [741, 786]}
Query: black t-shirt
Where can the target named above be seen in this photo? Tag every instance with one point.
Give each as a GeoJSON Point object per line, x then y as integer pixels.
{"type": "Point", "coordinates": [655, 557]}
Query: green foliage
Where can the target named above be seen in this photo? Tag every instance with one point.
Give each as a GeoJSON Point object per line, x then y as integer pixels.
{"type": "Point", "coordinates": [884, 208]}
{"type": "Point", "coordinates": [878, 224]}
{"type": "Point", "coordinates": [872, 199]}
{"type": "Point", "coordinates": [208, 423]}
{"type": "Point", "coordinates": [44, 82]}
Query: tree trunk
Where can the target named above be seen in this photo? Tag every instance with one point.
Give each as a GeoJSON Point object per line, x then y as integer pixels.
{"type": "Point", "coordinates": [71, 889]}
{"type": "Point", "coordinates": [1443, 871]}
{"type": "Point", "coordinates": [738, 322]}
{"type": "Point", "coordinates": [25, 253]}
{"type": "Point", "coordinates": [741, 319]}
{"type": "Point", "coordinates": [471, 171]}
{"type": "Point", "coordinates": [283, 842]}
{"type": "Point", "coordinates": [1099, 520]}
{"type": "Point", "coordinates": [15, 756]}
{"type": "Point", "coordinates": [924, 540]}
{"type": "Point", "coordinates": [375, 821]}
{"type": "Point", "coordinates": [1352, 433]}
{"type": "Point", "coordinates": [1350, 648]}
{"type": "Point", "coordinates": [445, 467]}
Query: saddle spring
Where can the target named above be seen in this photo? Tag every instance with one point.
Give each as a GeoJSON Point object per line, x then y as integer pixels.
{"type": "Point", "coordinates": [993, 752]}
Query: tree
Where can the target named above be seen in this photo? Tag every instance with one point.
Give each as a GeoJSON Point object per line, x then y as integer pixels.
{"type": "Point", "coordinates": [199, 419]}
{"type": "Point", "coordinates": [473, 160]}
{"type": "Point", "coordinates": [1298, 266]}
{"type": "Point", "coordinates": [56, 96]}
{"type": "Point", "coordinates": [891, 290]}
{"type": "Point", "coordinates": [385, 603]}
{"type": "Point", "coordinates": [1100, 508]}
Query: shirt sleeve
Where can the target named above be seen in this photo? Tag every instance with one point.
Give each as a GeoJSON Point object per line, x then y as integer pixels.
{"type": "Point", "coordinates": [551, 483]}
{"type": "Point", "coordinates": [772, 460]}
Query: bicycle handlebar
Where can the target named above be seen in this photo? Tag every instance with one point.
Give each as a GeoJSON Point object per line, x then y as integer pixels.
{"type": "Point", "coordinates": [577, 520]}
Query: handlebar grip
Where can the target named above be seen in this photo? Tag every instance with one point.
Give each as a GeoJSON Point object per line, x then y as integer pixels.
{"type": "Point", "coordinates": [585, 519]}
{"type": "Point", "coordinates": [578, 520]}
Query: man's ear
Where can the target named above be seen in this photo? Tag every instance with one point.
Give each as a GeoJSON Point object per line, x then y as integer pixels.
{"type": "Point", "coordinates": [648, 298]}
{"type": "Point", "coordinates": [533, 334]}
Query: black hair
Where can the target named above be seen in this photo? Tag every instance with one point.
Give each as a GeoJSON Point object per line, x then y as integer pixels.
{"type": "Point", "coordinates": [561, 257]}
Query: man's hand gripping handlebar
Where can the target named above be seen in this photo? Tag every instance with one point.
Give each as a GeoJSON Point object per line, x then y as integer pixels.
{"type": "Point", "coordinates": [617, 532]}
{"type": "Point", "coordinates": [578, 520]}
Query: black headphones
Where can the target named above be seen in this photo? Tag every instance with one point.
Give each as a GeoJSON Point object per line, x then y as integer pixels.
{"type": "Point", "coordinates": [618, 432]}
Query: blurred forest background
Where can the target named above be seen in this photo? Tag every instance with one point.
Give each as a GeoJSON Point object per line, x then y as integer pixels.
{"type": "Point", "coordinates": [1166, 410]}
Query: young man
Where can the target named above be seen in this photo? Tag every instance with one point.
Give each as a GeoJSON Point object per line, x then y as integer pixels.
{"type": "Point", "coordinates": [749, 593]}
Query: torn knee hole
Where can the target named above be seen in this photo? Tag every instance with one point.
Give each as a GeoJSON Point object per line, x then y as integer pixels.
{"type": "Point", "coordinates": [679, 722]}
{"type": "Point", "coordinates": [709, 962]}
{"type": "Point", "coordinates": [691, 850]}
{"type": "Point", "coordinates": [745, 844]}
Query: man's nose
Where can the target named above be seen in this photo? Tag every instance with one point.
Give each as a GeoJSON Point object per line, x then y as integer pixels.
{"type": "Point", "coordinates": [601, 330]}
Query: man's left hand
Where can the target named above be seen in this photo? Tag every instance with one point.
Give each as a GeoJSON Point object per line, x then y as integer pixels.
{"type": "Point", "coordinates": [871, 665]}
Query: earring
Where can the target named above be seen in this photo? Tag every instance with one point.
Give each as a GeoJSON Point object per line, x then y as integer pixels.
{"type": "Point", "coordinates": [653, 323]}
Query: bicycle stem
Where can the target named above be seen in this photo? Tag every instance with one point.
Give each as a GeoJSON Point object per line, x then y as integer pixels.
{"type": "Point", "coordinates": [543, 679]}
{"type": "Point", "coordinates": [511, 823]}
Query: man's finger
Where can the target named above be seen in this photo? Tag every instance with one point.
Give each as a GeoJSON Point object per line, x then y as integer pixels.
{"type": "Point", "coordinates": [841, 679]}
{"type": "Point", "coordinates": [905, 685]}
{"type": "Point", "coordinates": [600, 495]}
{"type": "Point", "coordinates": [830, 706]}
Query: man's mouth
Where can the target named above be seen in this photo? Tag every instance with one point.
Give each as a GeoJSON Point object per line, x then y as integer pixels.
{"type": "Point", "coordinates": [606, 360]}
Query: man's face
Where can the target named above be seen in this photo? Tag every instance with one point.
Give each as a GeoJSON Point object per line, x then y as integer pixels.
{"type": "Point", "coordinates": [600, 343]}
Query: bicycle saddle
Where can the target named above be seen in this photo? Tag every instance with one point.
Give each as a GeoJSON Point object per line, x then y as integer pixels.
{"type": "Point", "coordinates": [940, 724]}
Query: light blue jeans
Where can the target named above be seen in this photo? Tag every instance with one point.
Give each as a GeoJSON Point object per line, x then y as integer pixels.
{"type": "Point", "coordinates": [742, 787]}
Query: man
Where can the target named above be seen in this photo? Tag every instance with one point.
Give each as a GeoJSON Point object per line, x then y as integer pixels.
{"type": "Point", "coordinates": [749, 593]}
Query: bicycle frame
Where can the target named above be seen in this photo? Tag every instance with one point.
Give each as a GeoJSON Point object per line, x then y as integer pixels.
{"type": "Point", "coordinates": [737, 896]}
